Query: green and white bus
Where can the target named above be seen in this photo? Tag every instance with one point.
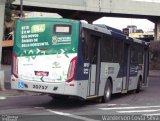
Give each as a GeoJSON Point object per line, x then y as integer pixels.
{"type": "Point", "coordinates": [64, 57]}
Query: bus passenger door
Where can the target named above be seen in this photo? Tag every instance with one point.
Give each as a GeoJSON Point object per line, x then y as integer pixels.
{"type": "Point", "coordinates": [94, 74]}
{"type": "Point", "coordinates": [126, 71]}
{"type": "Point", "coordinates": [146, 67]}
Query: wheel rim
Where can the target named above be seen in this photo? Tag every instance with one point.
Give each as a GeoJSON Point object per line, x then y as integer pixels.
{"type": "Point", "coordinates": [108, 92]}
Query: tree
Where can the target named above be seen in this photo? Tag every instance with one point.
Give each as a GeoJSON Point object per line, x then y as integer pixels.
{"type": "Point", "coordinates": [155, 55]}
{"type": "Point", "coordinates": [8, 10]}
{"type": "Point", "coordinates": [8, 21]}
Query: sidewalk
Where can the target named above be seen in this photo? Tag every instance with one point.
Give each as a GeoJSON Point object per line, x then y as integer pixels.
{"type": "Point", "coordinates": [13, 93]}
{"type": "Point", "coordinates": [154, 73]}
{"type": "Point", "coordinates": [9, 92]}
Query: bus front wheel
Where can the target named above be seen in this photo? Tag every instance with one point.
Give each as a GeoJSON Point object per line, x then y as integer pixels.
{"type": "Point", "coordinates": [107, 92]}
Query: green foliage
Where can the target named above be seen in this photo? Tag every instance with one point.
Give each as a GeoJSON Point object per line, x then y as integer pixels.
{"type": "Point", "coordinates": [8, 10]}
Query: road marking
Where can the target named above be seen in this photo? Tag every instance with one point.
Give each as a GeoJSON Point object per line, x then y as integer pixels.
{"type": "Point", "coordinates": [154, 114]}
{"type": "Point", "coordinates": [3, 98]}
{"type": "Point", "coordinates": [39, 107]}
{"type": "Point", "coordinates": [123, 108]}
{"type": "Point", "coordinates": [71, 115]}
{"type": "Point", "coordinates": [150, 1]}
{"type": "Point", "coordinates": [111, 104]}
{"type": "Point", "coordinates": [138, 111]}
{"type": "Point", "coordinates": [59, 113]}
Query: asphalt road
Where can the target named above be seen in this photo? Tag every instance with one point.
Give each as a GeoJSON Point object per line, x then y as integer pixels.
{"type": "Point", "coordinates": [44, 108]}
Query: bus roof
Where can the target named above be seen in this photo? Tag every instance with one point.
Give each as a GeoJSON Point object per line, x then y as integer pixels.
{"type": "Point", "coordinates": [97, 27]}
{"type": "Point", "coordinates": [112, 31]}
{"type": "Point", "coordinates": [49, 19]}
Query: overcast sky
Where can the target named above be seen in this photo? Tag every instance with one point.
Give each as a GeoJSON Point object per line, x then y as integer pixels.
{"type": "Point", "coordinates": [121, 23]}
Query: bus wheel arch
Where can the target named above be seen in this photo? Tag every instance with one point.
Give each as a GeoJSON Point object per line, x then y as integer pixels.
{"type": "Point", "coordinates": [108, 90]}
{"type": "Point", "coordinates": [139, 84]}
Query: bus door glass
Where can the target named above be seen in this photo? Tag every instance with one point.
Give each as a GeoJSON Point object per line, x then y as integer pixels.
{"type": "Point", "coordinates": [94, 55]}
{"type": "Point", "coordinates": [134, 66]}
{"type": "Point", "coordinates": [126, 66]}
{"type": "Point", "coordinates": [146, 66]}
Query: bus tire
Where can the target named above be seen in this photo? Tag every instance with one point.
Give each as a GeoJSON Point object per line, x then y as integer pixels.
{"type": "Point", "coordinates": [107, 92]}
{"type": "Point", "coordinates": [139, 85]}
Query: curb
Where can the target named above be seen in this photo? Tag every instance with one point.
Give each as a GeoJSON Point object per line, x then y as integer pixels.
{"type": "Point", "coordinates": [8, 92]}
{"type": "Point", "coordinates": [154, 75]}
{"type": "Point", "coordinates": [15, 93]}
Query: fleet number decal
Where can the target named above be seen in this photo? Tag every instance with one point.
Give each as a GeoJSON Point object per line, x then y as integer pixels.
{"type": "Point", "coordinates": [40, 87]}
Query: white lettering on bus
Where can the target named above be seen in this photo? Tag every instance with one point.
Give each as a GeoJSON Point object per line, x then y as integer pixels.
{"type": "Point", "coordinates": [35, 44]}
{"type": "Point", "coordinates": [32, 35]}
{"type": "Point", "coordinates": [25, 27]}
{"type": "Point", "coordinates": [27, 40]}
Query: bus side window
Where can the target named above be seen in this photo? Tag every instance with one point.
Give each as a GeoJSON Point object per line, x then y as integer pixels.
{"type": "Point", "coordinates": [107, 49]}
{"type": "Point", "coordinates": [140, 54]}
{"type": "Point", "coordinates": [134, 54]}
{"type": "Point", "coordinates": [93, 49]}
{"type": "Point", "coordinates": [118, 50]}
{"type": "Point", "coordinates": [85, 46]}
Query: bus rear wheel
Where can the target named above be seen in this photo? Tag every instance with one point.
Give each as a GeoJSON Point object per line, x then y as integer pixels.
{"type": "Point", "coordinates": [107, 92]}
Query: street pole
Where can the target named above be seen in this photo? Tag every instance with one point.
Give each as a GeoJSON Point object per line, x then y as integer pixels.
{"type": "Point", "coordinates": [2, 10]}
{"type": "Point", "coordinates": [21, 9]}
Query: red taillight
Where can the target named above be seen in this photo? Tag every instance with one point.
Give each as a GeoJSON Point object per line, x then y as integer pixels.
{"type": "Point", "coordinates": [15, 65]}
{"type": "Point", "coordinates": [71, 70]}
